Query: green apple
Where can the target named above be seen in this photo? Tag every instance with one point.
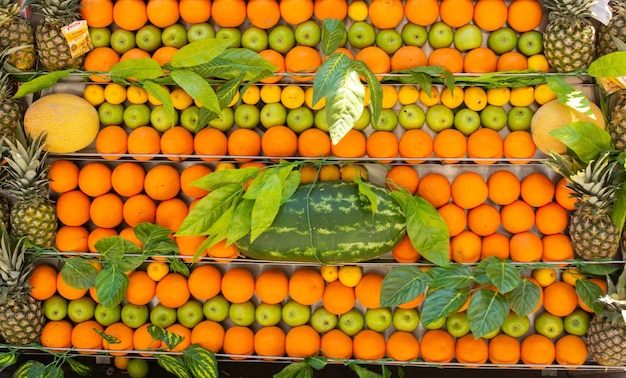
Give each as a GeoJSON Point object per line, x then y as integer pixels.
{"type": "Point", "coordinates": [414, 35]}
{"type": "Point", "coordinates": [530, 43]}
{"type": "Point", "coordinates": [190, 313]}
{"type": "Point", "coordinates": [361, 34]}
{"type": "Point", "coordinates": [81, 309]}
{"type": "Point", "coordinates": [502, 40]}
{"type": "Point", "coordinates": [387, 122]}
{"type": "Point", "coordinates": [457, 324]}
{"type": "Point", "coordinates": [364, 119]}
{"type": "Point", "coordinates": [519, 117]}
{"type": "Point", "coordinates": [548, 325]}
{"type": "Point", "coordinates": [308, 33]}
{"type": "Point", "coordinates": [247, 116]}
{"type": "Point", "coordinates": [405, 319]}
{"type": "Point", "coordinates": [300, 119]}
{"type": "Point", "coordinates": [107, 315]}
{"type": "Point", "coordinates": [577, 322]}
{"type": "Point", "coordinates": [436, 324]}
{"type": "Point", "coordinates": [242, 314]}
{"type": "Point", "coordinates": [282, 38]}
{"type": "Point", "coordinates": [378, 319]}
{"type": "Point", "coordinates": [321, 120]}
{"type": "Point", "coordinates": [467, 121]}
{"type": "Point", "coordinates": [163, 316]}
{"type": "Point", "coordinates": [440, 35]}
{"type": "Point", "coordinates": [232, 35]}
{"type": "Point", "coordinates": [174, 36]}
{"type": "Point", "coordinates": [148, 38]}
{"type": "Point", "coordinates": [135, 315]}
{"type": "Point", "coordinates": [515, 325]}
{"type": "Point", "coordinates": [267, 314]}
{"type": "Point", "coordinates": [224, 121]}
{"type": "Point", "coordinates": [351, 322]}
{"type": "Point", "coordinates": [200, 31]}
{"type": "Point", "coordinates": [55, 307]}
{"type": "Point", "coordinates": [122, 40]}
{"type": "Point", "coordinates": [255, 39]}
{"type": "Point", "coordinates": [295, 314]}
{"type": "Point", "coordinates": [411, 116]}
{"type": "Point", "coordinates": [216, 308]}
{"type": "Point", "coordinates": [493, 117]}
{"type": "Point", "coordinates": [161, 120]}
{"type": "Point", "coordinates": [111, 114]}
{"type": "Point", "coordinates": [439, 117]}
{"type": "Point", "coordinates": [136, 115]}
{"type": "Point", "coordinates": [468, 37]}
{"type": "Point", "coordinates": [100, 37]}
{"type": "Point", "coordinates": [390, 40]}
{"type": "Point", "coordinates": [189, 118]}
{"type": "Point", "coordinates": [323, 320]}
{"type": "Point", "coordinates": [492, 334]}
{"type": "Point", "coordinates": [274, 114]}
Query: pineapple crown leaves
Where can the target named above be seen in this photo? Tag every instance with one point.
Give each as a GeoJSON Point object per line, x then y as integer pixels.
{"type": "Point", "coordinates": [9, 10]}
{"type": "Point", "coordinates": [14, 268]}
{"type": "Point", "coordinates": [569, 8]}
{"type": "Point", "coordinates": [25, 165]}
{"type": "Point", "coordinates": [615, 301]}
{"type": "Point", "coordinates": [56, 12]}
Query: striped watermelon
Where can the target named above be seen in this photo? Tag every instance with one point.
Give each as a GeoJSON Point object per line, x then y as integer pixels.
{"type": "Point", "coordinates": [330, 222]}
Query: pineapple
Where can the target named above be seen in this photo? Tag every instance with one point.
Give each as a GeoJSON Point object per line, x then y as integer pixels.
{"type": "Point", "coordinates": [22, 315]}
{"type": "Point", "coordinates": [11, 113]}
{"type": "Point", "coordinates": [615, 29]}
{"type": "Point", "coordinates": [606, 335]}
{"type": "Point", "coordinates": [32, 212]}
{"type": "Point", "coordinates": [15, 31]}
{"type": "Point", "coordinates": [592, 231]}
{"type": "Point", "coordinates": [617, 125]}
{"type": "Point", "coordinates": [569, 37]}
{"type": "Point", "coordinates": [52, 48]}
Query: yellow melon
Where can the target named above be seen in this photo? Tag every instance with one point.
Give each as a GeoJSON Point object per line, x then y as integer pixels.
{"type": "Point", "coordinates": [555, 114]}
{"type": "Point", "coordinates": [70, 122]}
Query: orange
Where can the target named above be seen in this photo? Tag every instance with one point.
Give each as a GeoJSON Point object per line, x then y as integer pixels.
{"type": "Point", "coordinates": [180, 330]}
{"type": "Point", "coordinates": [162, 13]}
{"type": "Point", "coordinates": [63, 175]}
{"type": "Point", "coordinates": [121, 332]}
{"type": "Point", "coordinates": [448, 58]}
{"type": "Point", "coordinates": [571, 350]}
{"type": "Point", "coordinates": [314, 142]}
{"type": "Point", "coordinates": [194, 11]}
{"type": "Point", "coordinates": [414, 145]}
{"type": "Point", "coordinates": [496, 244]}
{"type": "Point", "coordinates": [243, 144]}
{"type": "Point", "coordinates": [368, 345]}
{"type": "Point", "coordinates": [172, 291]}
{"type": "Point", "coordinates": [504, 349]}
{"type": "Point", "coordinates": [272, 286]}
{"type": "Point", "coordinates": [188, 245]}
{"type": "Point", "coordinates": [471, 350]}
{"type": "Point", "coordinates": [306, 286]}
{"type": "Point", "coordinates": [144, 142]}
{"type": "Point", "coordinates": [336, 345]}
{"type": "Point", "coordinates": [100, 59]}
{"type": "Point", "coordinates": [97, 234]}
{"type": "Point", "coordinates": [422, 12]}
{"type": "Point", "coordinates": [171, 213]}
{"type": "Point", "coordinates": [560, 298]}
{"type": "Point", "coordinates": [222, 250]}
{"type": "Point", "coordinates": [84, 336]}
{"type": "Point", "coordinates": [56, 334]}
{"type": "Point", "coordinates": [142, 339]}
{"type": "Point", "coordinates": [162, 182]}
{"type": "Point", "coordinates": [269, 341]}
{"type": "Point", "coordinates": [66, 291]}
{"type": "Point", "coordinates": [209, 141]}
{"type": "Point", "coordinates": [519, 147]}
{"type": "Point", "coordinates": [97, 13]}
{"type": "Point", "coordinates": [557, 247]}
{"type": "Point", "coordinates": [141, 288]}
{"type": "Point", "coordinates": [301, 62]}
{"type": "Point", "coordinates": [72, 239]}
{"type": "Point", "coordinates": [504, 187]}
{"type": "Point", "coordinates": [402, 346]}
{"type": "Point", "coordinates": [483, 219]}
{"type": "Point", "coordinates": [435, 188]}
{"type": "Point", "coordinates": [490, 15]}
{"type": "Point", "coordinates": [130, 14]}
{"type": "Point", "coordinates": [469, 189]}
{"type": "Point", "coordinates": [517, 216]}
{"type": "Point", "coordinates": [295, 12]}
{"type": "Point", "coordinates": [128, 234]}
{"type": "Point", "coordinates": [512, 61]}
{"type": "Point", "coordinates": [204, 282]}
{"type": "Point", "coordinates": [376, 59]}
{"type": "Point", "coordinates": [465, 247]}
{"type": "Point", "coordinates": [279, 141]}
{"type": "Point", "coordinates": [138, 209]}
{"type": "Point", "coordinates": [450, 145]}
{"type": "Point", "coordinates": [302, 341]}
{"type": "Point", "coordinates": [338, 298]}
{"type": "Point", "coordinates": [127, 179]}
{"type": "Point", "coordinates": [551, 218]}
{"type": "Point", "coordinates": [337, 9]}
{"type": "Point", "coordinates": [455, 217]}
{"type": "Point", "coordinates": [134, 53]}
{"type": "Point", "coordinates": [437, 345]}
{"type": "Point", "coordinates": [524, 15]}
{"type": "Point", "coordinates": [537, 349]}
{"type": "Point", "coordinates": [94, 179]}
{"type": "Point", "coordinates": [402, 176]}
{"type": "Point", "coordinates": [368, 289]}
{"type": "Point", "coordinates": [382, 145]}
{"type": "Point", "coordinates": [111, 142]}
{"type": "Point", "coordinates": [386, 14]}
{"type": "Point", "coordinates": [177, 142]}
{"type": "Point", "coordinates": [208, 334]}
{"type": "Point", "coordinates": [278, 61]}
{"type": "Point", "coordinates": [238, 342]}
{"type": "Point", "coordinates": [164, 54]}
{"type": "Point", "coordinates": [485, 144]}
{"type": "Point", "coordinates": [537, 189]}
{"type": "Point", "coordinates": [526, 246]}
{"type": "Point", "coordinates": [106, 211]}
{"type": "Point", "coordinates": [263, 14]}
{"type": "Point", "coordinates": [352, 145]}
{"type": "Point", "coordinates": [564, 195]}
{"type": "Point", "coordinates": [238, 285]}
{"type": "Point", "coordinates": [404, 252]}
{"type": "Point", "coordinates": [456, 13]}
{"type": "Point", "coordinates": [43, 282]}
{"type": "Point", "coordinates": [190, 174]}
{"type": "Point", "coordinates": [480, 60]}
{"type": "Point", "coordinates": [72, 208]}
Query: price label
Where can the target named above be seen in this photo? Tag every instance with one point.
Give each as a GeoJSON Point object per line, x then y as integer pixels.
{"type": "Point", "coordinates": [77, 36]}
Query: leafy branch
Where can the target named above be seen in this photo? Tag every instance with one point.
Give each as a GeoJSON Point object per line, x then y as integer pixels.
{"type": "Point", "coordinates": [306, 367]}
{"type": "Point", "coordinates": [33, 368]}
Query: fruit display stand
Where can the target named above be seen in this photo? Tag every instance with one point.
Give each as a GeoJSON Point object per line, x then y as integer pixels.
{"type": "Point", "coordinates": [375, 164]}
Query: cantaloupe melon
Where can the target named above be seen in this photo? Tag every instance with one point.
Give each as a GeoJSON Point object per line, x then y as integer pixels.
{"type": "Point", "coordinates": [71, 123]}
{"type": "Point", "coordinates": [555, 114]}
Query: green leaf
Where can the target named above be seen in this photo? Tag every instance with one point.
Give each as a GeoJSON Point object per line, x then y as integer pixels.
{"type": "Point", "coordinates": [589, 293]}
{"type": "Point", "coordinates": [454, 276]}
{"type": "Point", "coordinates": [162, 95]}
{"type": "Point", "coordinates": [586, 139]}
{"type": "Point", "coordinates": [609, 65]}
{"type": "Point", "coordinates": [219, 228]}
{"type": "Point", "coordinates": [376, 91]}
{"type": "Point", "coordinates": [237, 63]}
{"type": "Point", "coordinates": [569, 96]}
{"type": "Point", "coordinates": [525, 297]}
{"type": "Point", "coordinates": [363, 372]}
{"type": "Point", "coordinates": [199, 359]}
{"type": "Point", "coordinates": [334, 34]}
{"type": "Point", "coordinates": [503, 275]}
{"type": "Point", "coordinates": [40, 82]}
{"type": "Point", "coordinates": [316, 362]}
{"type": "Point", "coordinates": [367, 191]}
{"type": "Point", "coordinates": [178, 266]}
{"type": "Point", "coordinates": [170, 339]}
{"type": "Point", "coordinates": [78, 367]}
{"type": "Point", "coordinates": [487, 311]}
{"type": "Point", "coordinates": [218, 179]}
{"type": "Point", "coordinates": [8, 358]}
{"type": "Point", "coordinates": [148, 232]}
{"type": "Point", "coordinates": [173, 365]}
{"type": "Point", "coordinates": [129, 263]}
{"type": "Point", "coordinates": [260, 182]}
{"type": "Point", "coordinates": [198, 88]}
{"type": "Point", "coordinates": [106, 337]}
{"type": "Point", "coordinates": [402, 284]}
{"type": "Point", "coordinates": [52, 371]}
{"type": "Point", "coordinates": [595, 269]}
{"type": "Point", "coordinates": [78, 272]}
{"type": "Point", "coordinates": [137, 69]}
{"type": "Point", "coordinates": [329, 74]}
{"type": "Point", "coordinates": [111, 285]}
{"type": "Point", "coordinates": [209, 209]}
{"type": "Point", "coordinates": [428, 231]}
{"type": "Point", "coordinates": [295, 370]}
{"type": "Point", "coordinates": [113, 248]}
{"type": "Point", "coordinates": [441, 303]}
{"type": "Point", "coordinates": [199, 52]}
{"type": "Point", "coordinates": [290, 185]}
{"type": "Point", "coordinates": [618, 215]}
{"type": "Point", "coordinates": [240, 224]}
{"type": "Point", "coordinates": [480, 273]}
{"type": "Point", "coordinates": [264, 211]}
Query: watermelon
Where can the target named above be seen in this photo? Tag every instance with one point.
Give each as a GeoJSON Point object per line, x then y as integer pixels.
{"type": "Point", "coordinates": [330, 222]}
